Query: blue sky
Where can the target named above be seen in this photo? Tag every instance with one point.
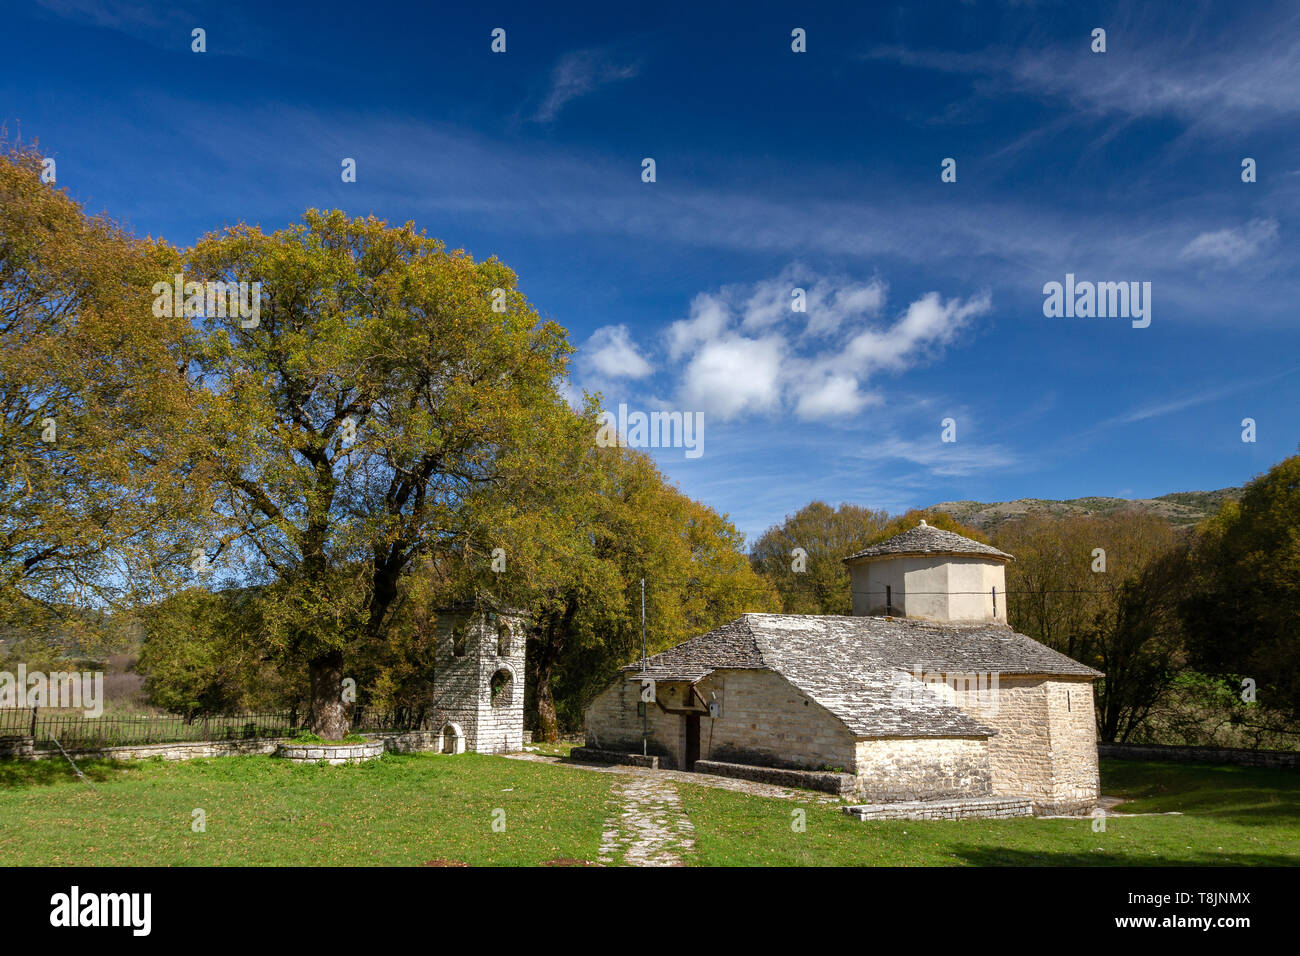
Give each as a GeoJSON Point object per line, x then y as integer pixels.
{"type": "Point", "coordinates": [774, 170]}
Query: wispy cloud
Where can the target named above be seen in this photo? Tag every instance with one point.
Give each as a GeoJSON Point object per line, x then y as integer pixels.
{"type": "Point", "coordinates": [948, 459]}
{"type": "Point", "coordinates": [1173, 406]}
{"type": "Point", "coordinates": [1232, 81]}
{"type": "Point", "coordinates": [578, 74]}
{"type": "Point", "coordinates": [168, 26]}
{"type": "Point", "coordinates": [1232, 246]}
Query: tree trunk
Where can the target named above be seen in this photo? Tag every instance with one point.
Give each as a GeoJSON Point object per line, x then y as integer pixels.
{"type": "Point", "coordinates": [549, 723]}
{"type": "Point", "coordinates": [546, 653]}
{"type": "Point", "coordinates": [329, 716]}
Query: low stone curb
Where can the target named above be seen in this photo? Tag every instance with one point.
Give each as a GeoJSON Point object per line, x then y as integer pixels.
{"type": "Point", "coordinates": [986, 808]}
{"type": "Point", "coordinates": [1288, 759]}
{"type": "Point", "coordinates": [821, 780]}
{"type": "Point", "coordinates": [331, 754]}
{"type": "Point", "coordinates": [592, 755]}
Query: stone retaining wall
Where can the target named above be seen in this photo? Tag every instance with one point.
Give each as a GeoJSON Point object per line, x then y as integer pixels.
{"type": "Point", "coordinates": [408, 741]}
{"type": "Point", "coordinates": [19, 748]}
{"type": "Point", "coordinates": [1287, 759]}
{"type": "Point", "coordinates": [334, 755]}
{"type": "Point", "coordinates": [405, 742]}
{"type": "Point", "coordinates": [188, 750]}
{"type": "Point", "coordinates": [982, 808]}
{"type": "Point", "coordinates": [824, 781]}
{"type": "Point", "coordinates": [593, 755]}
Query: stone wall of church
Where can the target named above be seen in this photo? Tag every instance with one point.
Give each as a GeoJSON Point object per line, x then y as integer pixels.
{"type": "Point", "coordinates": [763, 719]}
{"type": "Point", "coordinates": [1020, 753]}
{"type": "Point", "coordinates": [924, 768]}
{"type": "Point", "coordinates": [1075, 781]}
{"type": "Point", "coordinates": [767, 720]}
{"type": "Point", "coordinates": [612, 723]}
{"type": "Point", "coordinates": [1045, 747]}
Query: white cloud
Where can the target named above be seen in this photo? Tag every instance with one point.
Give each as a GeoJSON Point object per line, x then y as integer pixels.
{"type": "Point", "coordinates": [828, 302]}
{"type": "Point", "coordinates": [748, 352]}
{"type": "Point", "coordinates": [834, 397]}
{"type": "Point", "coordinates": [709, 318]}
{"type": "Point", "coordinates": [1232, 82]}
{"type": "Point", "coordinates": [734, 375]}
{"type": "Point", "coordinates": [928, 322]}
{"type": "Point", "coordinates": [1232, 246]}
{"type": "Point", "coordinates": [580, 73]}
{"type": "Point", "coordinates": [610, 353]}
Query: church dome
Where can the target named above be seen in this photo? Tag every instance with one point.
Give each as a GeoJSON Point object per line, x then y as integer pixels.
{"type": "Point", "coordinates": [927, 540]}
{"type": "Point", "coordinates": [930, 574]}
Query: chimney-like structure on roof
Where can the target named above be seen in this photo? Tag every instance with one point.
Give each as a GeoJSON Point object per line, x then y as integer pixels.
{"type": "Point", "coordinates": [932, 575]}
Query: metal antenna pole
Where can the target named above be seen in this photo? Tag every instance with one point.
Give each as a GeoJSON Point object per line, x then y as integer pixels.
{"type": "Point", "coordinates": [645, 708]}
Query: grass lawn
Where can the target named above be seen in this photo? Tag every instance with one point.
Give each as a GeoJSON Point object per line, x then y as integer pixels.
{"type": "Point", "coordinates": [401, 810]}
{"type": "Point", "coordinates": [1233, 816]}
{"type": "Point", "coordinates": [410, 810]}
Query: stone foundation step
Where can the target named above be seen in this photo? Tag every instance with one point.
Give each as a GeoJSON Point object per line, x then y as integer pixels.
{"type": "Point", "coordinates": [592, 755]}
{"type": "Point", "coordinates": [969, 808]}
{"type": "Point", "coordinates": [842, 784]}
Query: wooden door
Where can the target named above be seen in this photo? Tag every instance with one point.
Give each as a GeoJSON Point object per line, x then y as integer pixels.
{"type": "Point", "coordinates": [692, 740]}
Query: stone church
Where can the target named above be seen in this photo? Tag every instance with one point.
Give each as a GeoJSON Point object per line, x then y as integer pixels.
{"type": "Point", "coordinates": [924, 693]}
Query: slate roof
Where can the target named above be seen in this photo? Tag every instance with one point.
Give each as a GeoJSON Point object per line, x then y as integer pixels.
{"type": "Point", "coordinates": [860, 668]}
{"type": "Point", "coordinates": [925, 539]}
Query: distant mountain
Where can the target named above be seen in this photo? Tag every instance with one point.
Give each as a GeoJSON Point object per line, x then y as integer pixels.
{"type": "Point", "coordinates": [1180, 508]}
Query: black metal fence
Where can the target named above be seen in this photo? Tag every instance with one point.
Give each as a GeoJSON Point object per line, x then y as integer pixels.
{"type": "Point", "coordinates": [75, 730]}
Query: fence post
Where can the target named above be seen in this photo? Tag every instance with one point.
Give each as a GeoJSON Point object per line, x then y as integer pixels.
{"type": "Point", "coordinates": [34, 720]}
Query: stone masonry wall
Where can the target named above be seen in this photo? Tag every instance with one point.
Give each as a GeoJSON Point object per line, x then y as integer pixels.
{"type": "Point", "coordinates": [922, 769]}
{"type": "Point", "coordinates": [767, 720]}
{"type": "Point", "coordinates": [980, 808]}
{"type": "Point", "coordinates": [462, 687]}
{"type": "Point", "coordinates": [405, 742]}
{"type": "Point", "coordinates": [1020, 753]}
{"type": "Point", "coordinates": [1045, 747]}
{"type": "Point", "coordinates": [1289, 759]}
{"type": "Point", "coordinates": [1075, 780]}
{"type": "Point", "coordinates": [612, 723]}
{"type": "Point", "coordinates": [501, 723]}
{"type": "Point", "coordinates": [456, 678]}
{"type": "Point", "coordinates": [764, 720]}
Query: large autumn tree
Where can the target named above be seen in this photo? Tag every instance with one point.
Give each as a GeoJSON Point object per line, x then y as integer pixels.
{"type": "Point", "coordinates": [94, 403]}
{"type": "Point", "coordinates": [818, 582]}
{"type": "Point", "coordinates": [804, 555]}
{"type": "Point", "coordinates": [1105, 591]}
{"type": "Point", "coordinates": [1243, 616]}
{"type": "Point", "coordinates": [387, 384]}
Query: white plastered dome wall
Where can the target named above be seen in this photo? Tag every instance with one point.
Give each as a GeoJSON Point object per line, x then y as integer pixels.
{"type": "Point", "coordinates": [930, 574]}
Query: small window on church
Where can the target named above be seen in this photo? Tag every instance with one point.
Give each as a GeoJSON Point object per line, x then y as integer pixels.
{"type": "Point", "coordinates": [503, 639]}
{"type": "Point", "coordinates": [458, 641]}
{"type": "Point", "coordinates": [502, 688]}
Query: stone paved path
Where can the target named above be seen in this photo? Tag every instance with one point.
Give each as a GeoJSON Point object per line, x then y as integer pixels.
{"type": "Point", "coordinates": [648, 825]}
{"type": "Point", "coordinates": [700, 779]}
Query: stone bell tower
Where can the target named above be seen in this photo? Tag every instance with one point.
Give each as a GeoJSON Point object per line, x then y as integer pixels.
{"type": "Point", "coordinates": [933, 575]}
{"type": "Point", "coordinates": [478, 684]}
